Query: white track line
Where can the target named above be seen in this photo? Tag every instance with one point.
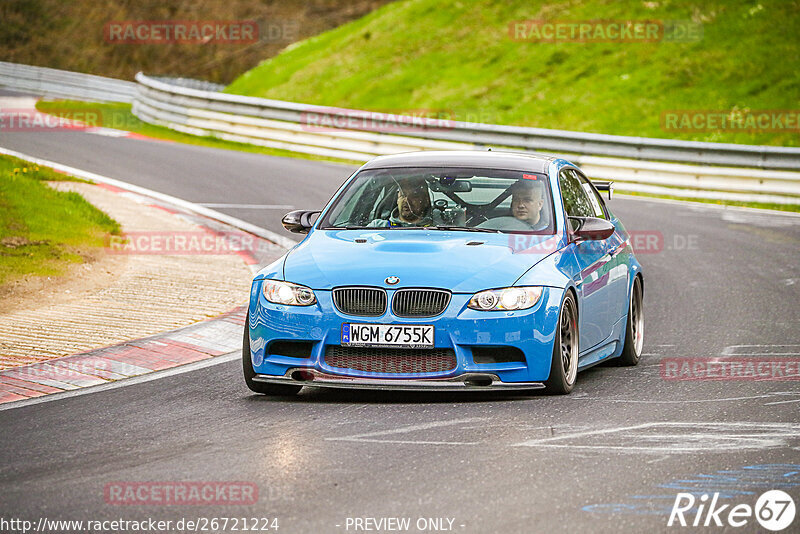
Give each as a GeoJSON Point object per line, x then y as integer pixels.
{"type": "Point", "coordinates": [702, 437]}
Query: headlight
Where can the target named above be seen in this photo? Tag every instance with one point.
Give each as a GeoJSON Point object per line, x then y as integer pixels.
{"type": "Point", "coordinates": [288, 293]}
{"type": "Point", "coordinates": [510, 298]}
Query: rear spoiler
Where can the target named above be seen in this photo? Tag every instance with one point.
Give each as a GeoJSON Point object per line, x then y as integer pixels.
{"type": "Point", "coordinates": [604, 186]}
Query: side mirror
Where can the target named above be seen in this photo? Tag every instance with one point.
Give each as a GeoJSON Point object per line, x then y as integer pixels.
{"type": "Point", "coordinates": [299, 221]}
{"type": "Point", "coordinates": [590, 228]}
{"type": "Point", "coordinates": [605, 186]}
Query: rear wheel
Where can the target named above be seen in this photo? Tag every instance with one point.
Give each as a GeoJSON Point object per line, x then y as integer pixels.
{"type": "Point", "coordinates": [634, 330]}
{"type": "Point", "coordinates": [564, 363]}
{"type": "Point", "coordinates": [249, 372]}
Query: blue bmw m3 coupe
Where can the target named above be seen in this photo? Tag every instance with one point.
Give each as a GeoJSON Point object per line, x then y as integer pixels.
{"type": "Point", "coordinates": [448, 271]}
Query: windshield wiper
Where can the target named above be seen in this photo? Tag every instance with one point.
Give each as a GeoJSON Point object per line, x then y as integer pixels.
{"type": "Point", "coordinates": [468, 229]}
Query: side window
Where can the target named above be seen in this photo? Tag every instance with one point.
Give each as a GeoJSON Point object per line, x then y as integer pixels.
{"type": "Point", "coordinates": [594, 198]}
{"type": "Point", "coordinates": [576, 203]}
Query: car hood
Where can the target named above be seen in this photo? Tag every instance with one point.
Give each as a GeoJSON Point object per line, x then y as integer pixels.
{"type": "Point", "coordinates": [464, 262]}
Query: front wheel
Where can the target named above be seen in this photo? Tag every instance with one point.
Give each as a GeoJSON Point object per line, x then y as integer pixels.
{"type": "Point", "coordinates": [564, 363]}
{"type": "Point", "coordinates": [249, 372]}
{"type": "Point", "coordinates": [634, 329]}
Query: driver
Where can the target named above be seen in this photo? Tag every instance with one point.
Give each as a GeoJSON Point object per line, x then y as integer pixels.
{"type": "Point", "coordinates": [413, 205]}
{"type": "Point", "coordinates": [527, 199]}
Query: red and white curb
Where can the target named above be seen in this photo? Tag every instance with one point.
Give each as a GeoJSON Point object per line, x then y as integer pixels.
{"type": "Point", "coordinates": [201, 341]}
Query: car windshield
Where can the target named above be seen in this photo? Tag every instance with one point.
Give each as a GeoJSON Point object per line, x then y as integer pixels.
{"type": "Point", "coordinates": [477, 200]}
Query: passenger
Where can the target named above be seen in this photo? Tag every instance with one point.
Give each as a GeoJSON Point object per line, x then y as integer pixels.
{"type": "Point", "coordinates": [527, 200]}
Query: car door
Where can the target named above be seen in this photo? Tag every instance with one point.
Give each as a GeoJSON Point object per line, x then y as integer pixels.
{"type": "Point", "coordinates": [617, 267]}
{"type": "Point", "coordinates": [592, 262]}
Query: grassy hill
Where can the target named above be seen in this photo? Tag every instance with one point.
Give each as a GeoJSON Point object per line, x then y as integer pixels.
{"type": "Point", "coordinates": [457, 56]}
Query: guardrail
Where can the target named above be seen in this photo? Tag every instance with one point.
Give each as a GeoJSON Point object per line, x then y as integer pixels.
{"type": "Point", "coordinates": [662, 166]}
{"type": "Point", "coordinates": [296, 127]}
{"type": "Point", "coordinates": [56, 83]}
{"type": "Point", "coordinates": [159, 95]}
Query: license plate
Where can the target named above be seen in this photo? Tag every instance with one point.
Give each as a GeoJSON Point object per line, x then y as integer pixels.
{"type": "Point", "coordinates": [387, 335]}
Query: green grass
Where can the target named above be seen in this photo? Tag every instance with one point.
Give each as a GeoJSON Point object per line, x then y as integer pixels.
{"type": "Point", "coordinates": [456, 56]}
{"type": "Point", "coordinates": [119, 116]}
{"type": "Point", "coordinates": [43, 231]}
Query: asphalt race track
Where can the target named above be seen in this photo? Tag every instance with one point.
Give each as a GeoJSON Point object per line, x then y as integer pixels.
{"type": "Point", "coordinates": [610, 457]}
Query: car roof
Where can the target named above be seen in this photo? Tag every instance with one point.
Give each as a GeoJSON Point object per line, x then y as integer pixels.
{"type": "Point", "coordinates": [514, 161]}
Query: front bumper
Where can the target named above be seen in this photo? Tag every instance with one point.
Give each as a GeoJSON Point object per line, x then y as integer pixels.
{"type": "Point", "coordinates": [459, 329]}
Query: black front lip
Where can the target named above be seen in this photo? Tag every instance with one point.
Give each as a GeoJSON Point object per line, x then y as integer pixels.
{"type": "Point", "coordinates": [303, 376]}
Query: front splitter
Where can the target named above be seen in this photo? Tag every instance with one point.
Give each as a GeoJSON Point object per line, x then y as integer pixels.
{"type": "Point", "coordinates": [464, 382]}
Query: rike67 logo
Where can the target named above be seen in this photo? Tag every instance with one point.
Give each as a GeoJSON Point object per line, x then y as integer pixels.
{"type": "Point", "coordinates": [774, 510]}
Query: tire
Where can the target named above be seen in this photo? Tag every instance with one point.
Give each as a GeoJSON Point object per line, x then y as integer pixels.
{"type": "Point", "coordinates": [564, 363]}
{"type": "Point", "coordinates": [249, 372]}
{"type": "Point", "coordinates": [634, 327]}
